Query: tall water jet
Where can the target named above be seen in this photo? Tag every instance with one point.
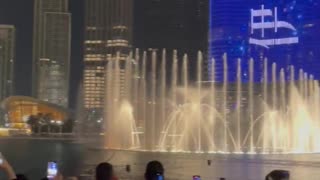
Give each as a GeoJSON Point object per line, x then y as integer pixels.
{"type": "Point", "coordinates": [174, 81]}
{"type": "Point", "coordinates": [311, 87]}
{"type": "Point", "coordinates": [238, 108]}
{"type": "Point", "coordinates": [112, 101]}
{"type": "Point", "coordinates": [184, 86]}
{"type": "Point", "coordinates": [152, 126]}
{"type": "Point", "coordinates": [225, 103]}
{"type": "Point", "coordinates": [128, 78]}
{"type": "Point", "coordinates": [283, 110]}
{"type": "Point", "coordinates": [274, 125]}
{"type": "Point", "coordinates": [136, 77]}
{"type": "Point", "coordinates": [213, 103]}
{"type": "Point", "coordinates": [163, 89]}
{"type": "Point", "coordinates": [305, 85]}
{"type": "Point", "coordinates": [251, 110]}
{"type": "Point", "coordinates": [316, 110]}
{"type": "Point", "coordinates": [265, 103]}
{"type": "Point", "coordinates": [185, 77]}
{"type": "Point", "coordinates": [301, 79]}
{"type": "Point", "coordinates": [199, 86]}
{"type": "Point", "coordinates": [290, 101]}
{"type": "Point", "coordinates": [116, 77]}
{"type": "Point", "coordinates": [143, 97]}
{"type": "Point", "coordinates": [108, 103]}
{"type": "Point", "coordinates": [116, 93]}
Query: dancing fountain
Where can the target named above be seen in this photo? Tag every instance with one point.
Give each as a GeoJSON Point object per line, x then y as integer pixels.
{"type": "Point", "coordinates": [150, 110]}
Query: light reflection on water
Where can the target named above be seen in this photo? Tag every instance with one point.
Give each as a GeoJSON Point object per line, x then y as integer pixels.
{"type": "Point", "coordinates": [30, 157]}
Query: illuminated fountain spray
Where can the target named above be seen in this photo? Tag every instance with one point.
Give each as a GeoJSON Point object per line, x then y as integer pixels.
{"type": "Point", "coordinates": [163, 109]}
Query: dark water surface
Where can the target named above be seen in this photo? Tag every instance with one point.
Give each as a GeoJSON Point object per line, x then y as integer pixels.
{"type": "Point", "coordinates": [31, 156]}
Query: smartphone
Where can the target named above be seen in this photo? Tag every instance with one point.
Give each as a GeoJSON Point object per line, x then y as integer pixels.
{"type": "Point", "coordinates": [196, 177]}
{"type": "Point", "coordinates": [1, 158]}
{"type": "Point", "coordinates": [52, 170]}
{"type": "Point", "coordinates": [159, 176]}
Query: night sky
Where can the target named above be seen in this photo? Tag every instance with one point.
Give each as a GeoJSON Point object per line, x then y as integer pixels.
{"type": "Point", "coordinates": [20, 14]}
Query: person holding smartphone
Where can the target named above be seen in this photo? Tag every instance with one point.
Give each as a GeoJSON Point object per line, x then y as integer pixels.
{"type": "Point", "coordinates": [6, 167]}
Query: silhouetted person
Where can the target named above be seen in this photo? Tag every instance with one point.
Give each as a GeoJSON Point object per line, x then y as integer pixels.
{"type": "Point", "coordinates": [104, 171]}
{"type": "Point", "coordinates": [154, 171]}
{"type": "Point", "coordinates": [278, 175]}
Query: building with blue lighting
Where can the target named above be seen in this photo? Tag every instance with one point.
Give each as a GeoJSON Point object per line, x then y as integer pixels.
{"type": "Point", "coordinates": [286, 32]}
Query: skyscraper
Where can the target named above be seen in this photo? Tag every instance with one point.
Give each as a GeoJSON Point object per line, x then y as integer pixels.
{"type": "Point", "coordinates": [51, 51]}
{"type": "Point", "coordinates": [108, 30]}
{"type": "Point", "coordinates": [7, 58]}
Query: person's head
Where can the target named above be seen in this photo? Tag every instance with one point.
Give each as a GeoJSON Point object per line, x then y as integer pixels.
{"type": "Point", "coordinates": [21, 177]}
{"type": "Point", "coordinates": [104, 171]}
{"type": "Point", "coordinates": [278, 175]}
{"type": "Point", "coordinates": [153, 170]}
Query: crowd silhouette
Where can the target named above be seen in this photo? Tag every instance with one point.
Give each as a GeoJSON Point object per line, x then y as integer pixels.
{"type": "Point", "coordinates": [104, 171]}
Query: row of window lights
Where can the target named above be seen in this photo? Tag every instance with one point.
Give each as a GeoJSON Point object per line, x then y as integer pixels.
{"type": "Point", "coordinates": [94, 42]}
{"type": "Point", "coordinates": [91, 28]}
{"type": "Point", "coordinates": [89, 101]}
{"type": "Point", "coordinates": [93, 71]}
{"type": "Point", "coordinates": [94, 55]}
{"type": "Point", "coordinates": [94, 88]}
{"type": "Point", "coordinates": [93, 92]}
{"type": "Point", "coordinates": [93, 102]}
{"type": "Point", "coordinates": [118, 45]}
{"type": "Point", "coordinates": [93, 85]}
{"type": "Point", "coordinates": [93, 82]}
{"type": "Point", "coordinates": [92, 99]}
{"type": "Point", "coordinates": [96, 91]}
{"type": "Point", "coordinates": [92, 96]}
{"type": "Point", "coordinates": [93, 59]}
{"type": "Point", "coordinates": [94, 78]}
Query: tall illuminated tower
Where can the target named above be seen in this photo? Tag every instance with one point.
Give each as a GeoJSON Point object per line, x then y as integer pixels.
{"type": "Point", "coordinates": [108, 30]}
{"type": "Point", "coordinates": [51, 51]}
{"type": "Point", "coordinates": [7, 59]}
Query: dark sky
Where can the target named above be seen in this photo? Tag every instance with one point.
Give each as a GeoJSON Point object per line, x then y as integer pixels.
{"type": "Point", "coordinates": [20, 14]}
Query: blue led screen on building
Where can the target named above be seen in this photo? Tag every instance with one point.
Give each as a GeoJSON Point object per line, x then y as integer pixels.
{"type": "Point", "coordinates": [284, 31]}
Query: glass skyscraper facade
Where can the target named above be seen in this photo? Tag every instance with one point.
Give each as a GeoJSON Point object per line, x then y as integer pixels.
{"type": "Point", "coordinates": [51, 48]}
{"type": "Point", "coordinates": [108, 30]}
{"type": "Point", "coordinates": [285, 32]}
{"type": "Point", "coordinates": [7, 59]}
